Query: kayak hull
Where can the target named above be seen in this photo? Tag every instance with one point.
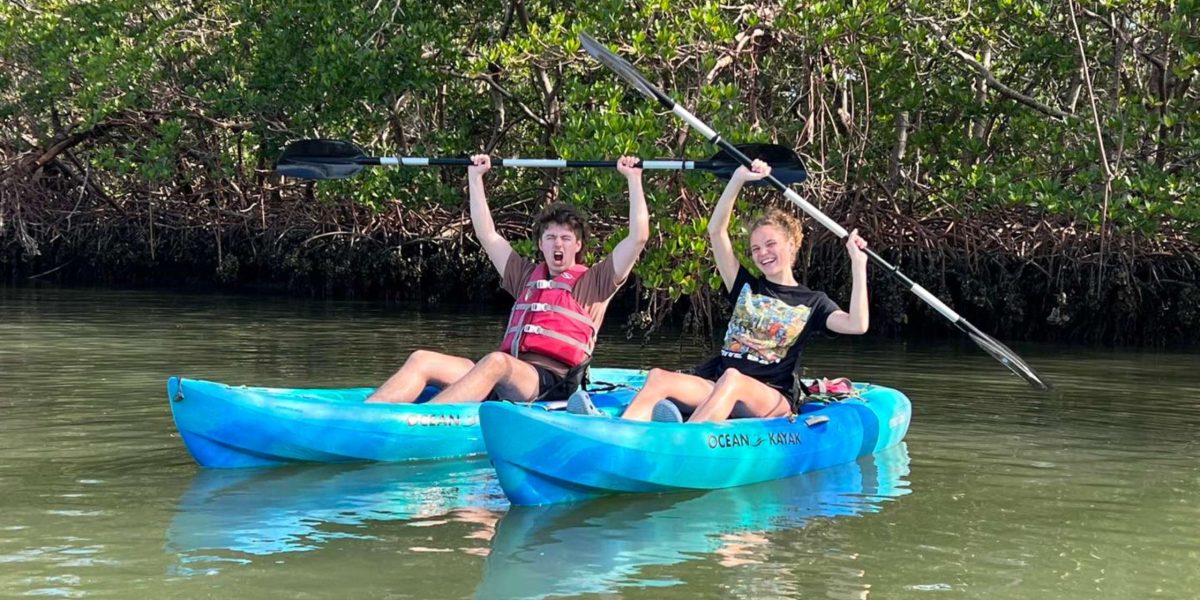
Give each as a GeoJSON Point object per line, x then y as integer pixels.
{"type": "Point", "coordinates": [226, 426]}
{"type": "Point", "coordinates": [547, 458]}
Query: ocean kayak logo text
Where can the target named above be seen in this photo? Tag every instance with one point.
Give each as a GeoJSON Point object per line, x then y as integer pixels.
{"type": "Point", "coordinates": [440, 421]}
{"type": "Point", "coordinates": [735, 440]}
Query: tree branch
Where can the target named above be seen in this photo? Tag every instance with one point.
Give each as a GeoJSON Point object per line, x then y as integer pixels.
{"type": "Point", "coordinates": [988, 76]}
{"type": "Point", "coordinates": [1087, 82]}
{"type": "Point", "coordinates": [898, 149]}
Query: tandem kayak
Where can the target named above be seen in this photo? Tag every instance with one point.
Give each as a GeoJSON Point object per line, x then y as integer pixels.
{"type": "Point", "coordinates": [545, 458]}
{"type": "Point", "coordinates": [225, 426]}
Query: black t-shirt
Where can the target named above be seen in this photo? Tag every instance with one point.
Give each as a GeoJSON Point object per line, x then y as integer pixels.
{"type": "Point", "coordinates": [770, 326]}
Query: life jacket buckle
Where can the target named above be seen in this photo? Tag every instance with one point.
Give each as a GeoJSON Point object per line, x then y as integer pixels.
{"type": "Point", "coordinates": [539, 307]}
{"type": "Point", "coordinates": [543, 284]}
{"type": "Point", "coordinates": [532, 329]}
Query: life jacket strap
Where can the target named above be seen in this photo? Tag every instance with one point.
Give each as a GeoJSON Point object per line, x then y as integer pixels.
{"type": "Point", "coordinates": [544, 307]}
{"type": "Point", "coordinates": [548, 284]}
{"type": "Point", "coordinates": [554, 335]}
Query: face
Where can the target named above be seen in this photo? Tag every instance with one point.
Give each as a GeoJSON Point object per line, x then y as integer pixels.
{"type": "Point", "coordinates": [772, 250]}
{"type": "Point", "coordinates": [559, 245]}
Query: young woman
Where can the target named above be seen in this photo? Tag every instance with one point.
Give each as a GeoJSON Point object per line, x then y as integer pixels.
{"type": "Point", "coordinates": [773, 319]}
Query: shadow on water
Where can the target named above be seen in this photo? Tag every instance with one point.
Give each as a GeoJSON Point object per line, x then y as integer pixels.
{"type": "Point", "coordinates": [231, 516]}
{"type": "Point", "coordinates": [602, 546]}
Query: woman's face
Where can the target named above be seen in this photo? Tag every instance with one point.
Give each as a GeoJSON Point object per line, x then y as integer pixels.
{"type": "Point", "coordinates": [772, 250]}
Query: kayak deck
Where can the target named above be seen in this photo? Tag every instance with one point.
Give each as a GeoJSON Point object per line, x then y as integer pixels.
{"type": "Point", "coordinates": [545, 458]}
{"type": "Point", "coordinates": [226, 426]}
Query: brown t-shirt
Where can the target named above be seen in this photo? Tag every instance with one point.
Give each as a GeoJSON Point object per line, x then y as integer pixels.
{"type": "Point", "coordinates": [593, 291]}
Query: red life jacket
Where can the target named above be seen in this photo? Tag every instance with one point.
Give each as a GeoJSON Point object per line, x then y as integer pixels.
{"type": "Point", "coordinates": [547, 320]}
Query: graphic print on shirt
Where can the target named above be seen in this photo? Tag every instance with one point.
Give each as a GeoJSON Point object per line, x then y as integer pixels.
{"type": "Point", "coordinates": [762, 328]}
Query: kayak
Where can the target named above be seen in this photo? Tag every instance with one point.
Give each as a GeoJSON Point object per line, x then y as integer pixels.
{"type": "Point", "coordinates": [546, 458]}
{"type": "Point", "coordinates": [225, 426]}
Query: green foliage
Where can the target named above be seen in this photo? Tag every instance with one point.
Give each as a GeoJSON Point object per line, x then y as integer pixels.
{"type": "Point", "coordinates": [681, 263]}
{"type": "Point", "coordinates": [192, 95]}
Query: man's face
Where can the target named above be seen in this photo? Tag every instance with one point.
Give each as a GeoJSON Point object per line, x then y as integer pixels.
{"type": "Point", "coordinates": [559, 245]}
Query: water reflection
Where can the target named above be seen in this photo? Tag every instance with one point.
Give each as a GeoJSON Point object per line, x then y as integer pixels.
{"type": "Point", "coordinates": [238, 517]}
{"type": "Point", "coordinates": [603, 546]}
{"type": "Point", "coordinates": [232, 516]}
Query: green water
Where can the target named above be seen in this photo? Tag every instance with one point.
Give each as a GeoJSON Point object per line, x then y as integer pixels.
{"type": "Point", "coordinates": [1087, 492]}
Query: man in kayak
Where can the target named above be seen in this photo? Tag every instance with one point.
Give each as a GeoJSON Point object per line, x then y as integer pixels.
{"type": "Point", "coordinates": [559, 307]}
{"type": "Point", "coordinates": [773, 318]}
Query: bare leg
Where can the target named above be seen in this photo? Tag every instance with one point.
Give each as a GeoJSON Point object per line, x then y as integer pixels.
{"type": "Point", "coordinates": [688, 390]}
{"type": "Point", "coordinates": [742, 396]}
{"type": "Point", "coordinates": [513, 378]}
{"type": "Point", "coordinates": [422, 368]}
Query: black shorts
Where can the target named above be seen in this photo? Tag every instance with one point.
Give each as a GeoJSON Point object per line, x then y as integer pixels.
{"type": "Point", "coordinates": [553, 387]}
{"type": "Point", "coordinates": [713, 368]}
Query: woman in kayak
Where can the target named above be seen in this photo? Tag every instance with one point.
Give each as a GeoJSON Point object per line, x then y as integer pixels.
{"type": "Point", "coordinates": [773, 319]}
{"type": "Point", "coordinates": [560, 305]}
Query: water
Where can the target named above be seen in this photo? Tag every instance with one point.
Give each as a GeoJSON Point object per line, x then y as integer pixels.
{"type": "Point", "coordinates": [1090, 491]}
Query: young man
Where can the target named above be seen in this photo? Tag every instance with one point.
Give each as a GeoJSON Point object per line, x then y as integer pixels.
{"type": "Point", "coordinates": [560, 305]}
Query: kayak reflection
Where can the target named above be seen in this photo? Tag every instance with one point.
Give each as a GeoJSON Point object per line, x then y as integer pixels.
{"type": "Point", "coordinates": [600, 546]}
{"type": "Point", "coordinates": [231, 516]}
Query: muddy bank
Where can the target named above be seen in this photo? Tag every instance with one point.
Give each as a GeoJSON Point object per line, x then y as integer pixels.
{"type": "Point", "coordinates": [1025, 280]}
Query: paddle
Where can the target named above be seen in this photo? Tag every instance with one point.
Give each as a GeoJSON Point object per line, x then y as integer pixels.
{"type": "Point", "coordinates": [338, 159]}
{"type": "Point", "coordinates": [625, 71]}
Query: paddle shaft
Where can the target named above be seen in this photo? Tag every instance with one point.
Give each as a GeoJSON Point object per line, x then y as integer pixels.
{"type": "Point", "coordinates": [539, 163]}
{"type": "Point", "coordinates": [815, 213]}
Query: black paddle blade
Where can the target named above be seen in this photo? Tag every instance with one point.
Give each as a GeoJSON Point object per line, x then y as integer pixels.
{"type": "Point", "coordinates": [785, 163]}
{"type": "Point", "coordinates": [319, 159]}
{"type": "Point", "coordinates": [1007, 357]}
{"type": "Point", "coordinates": [624, 70]}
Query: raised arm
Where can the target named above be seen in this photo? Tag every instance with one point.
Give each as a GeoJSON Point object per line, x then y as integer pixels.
{"type": "Point", "coordinates": [625, 254]}
{"type": "Point", "coordinates": [498, 249]}
{"type": "Point", "coordinates": [718, 224]}
{"type": "Point", "coordinates": [858, 319]}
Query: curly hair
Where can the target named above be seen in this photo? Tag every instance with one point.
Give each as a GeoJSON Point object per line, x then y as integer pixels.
{"type": "Point", "coordinates": [785, 222]}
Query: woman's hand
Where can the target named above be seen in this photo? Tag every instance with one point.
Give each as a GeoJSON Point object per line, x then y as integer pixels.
{"type": "Point", "coordinates": [854, 247]}
{"type": "Point", "coordinates": [758, 170]}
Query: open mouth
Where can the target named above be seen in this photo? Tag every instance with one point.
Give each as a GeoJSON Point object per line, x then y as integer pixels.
{"type": "Point", "coordinates": [558, 256]}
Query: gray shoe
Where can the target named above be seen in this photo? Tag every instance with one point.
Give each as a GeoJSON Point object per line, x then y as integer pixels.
{"type": "Point", "coordinates": [580, 403]}
{"type": "Point", "coordinates": [666, 412]}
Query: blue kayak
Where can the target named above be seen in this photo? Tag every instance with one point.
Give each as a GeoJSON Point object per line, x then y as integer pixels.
{"type": "Point", "coordinates": [545, 458]}
{"type": "Point", "coordinates": [226, 426]}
